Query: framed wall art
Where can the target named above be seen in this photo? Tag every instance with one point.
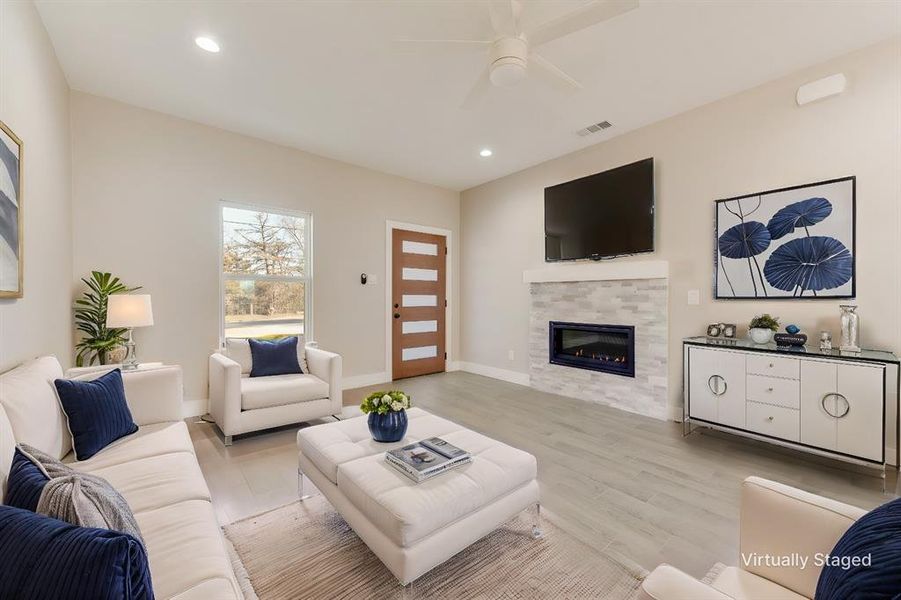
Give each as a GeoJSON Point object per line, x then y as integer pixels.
{"type": "Point", "coordinates": [796, 242]}
{"type": "Point", "coordinates": [11, 243]}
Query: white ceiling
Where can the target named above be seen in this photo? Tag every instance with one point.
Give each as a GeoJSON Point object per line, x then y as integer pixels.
{"type": "Point", "coordinates": [325, 76]}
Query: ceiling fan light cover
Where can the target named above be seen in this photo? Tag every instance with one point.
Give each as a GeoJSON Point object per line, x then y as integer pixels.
{"type": "Point", "coordinates": [507, 71]}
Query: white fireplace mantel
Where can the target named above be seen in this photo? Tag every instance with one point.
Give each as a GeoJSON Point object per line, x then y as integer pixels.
{"type": "Point", "coordinates": [598, 271]}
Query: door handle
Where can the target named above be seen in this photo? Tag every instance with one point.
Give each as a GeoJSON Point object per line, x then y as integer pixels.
{"type": "Point", "coordinates": [717, 385]}
{"type": "Point", "coordinates": [837, 397]}
{"type": "Point", "coordinates": [396, 315]}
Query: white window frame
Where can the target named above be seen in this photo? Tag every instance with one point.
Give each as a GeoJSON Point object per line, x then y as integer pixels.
{"type": "Point", "coordinates": [306, 278]}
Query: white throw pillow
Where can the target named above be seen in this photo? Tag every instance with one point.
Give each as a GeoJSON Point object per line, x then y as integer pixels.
{"type": "Point", "coordinates": [238, 349]}
{"type": "Point", "coordinates": [32, 406]}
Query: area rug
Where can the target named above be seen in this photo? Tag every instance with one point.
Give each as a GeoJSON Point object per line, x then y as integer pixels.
{"type": "Point", "coordinates": [306, 550]}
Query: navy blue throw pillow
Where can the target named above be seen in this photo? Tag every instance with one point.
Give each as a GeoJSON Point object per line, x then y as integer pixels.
{"type": "Point", "coordinates": [278, 357]}
{"type": "Point", "coordinates": [25, 483]}
{"type": "Point", "coordinates": [97, 412]}
{"type": "Point", "coordinates": [875, 542]}
{"type": "Point", "coordinates": [42, 557]}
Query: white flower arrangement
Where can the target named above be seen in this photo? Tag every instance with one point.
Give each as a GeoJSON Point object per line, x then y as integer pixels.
{"type": "Point", "coordinates": [385, 402]}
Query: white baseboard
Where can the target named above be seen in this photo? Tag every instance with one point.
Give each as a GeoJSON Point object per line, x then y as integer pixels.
{"type": "Point", "coordinates": [194, 407]}
{"type": "Point", "coordinates": [675, 412]}
{"type": "Point", "coordinates": [495, 372]}
{"type": "Point", "coordinates": [358, 381]}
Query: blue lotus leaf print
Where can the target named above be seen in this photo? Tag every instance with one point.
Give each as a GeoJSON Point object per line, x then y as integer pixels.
{"type": "Point", "coordinates": [810, 263]}
{"type": "Point", "coordinates": [798, 214]}
{"type": "Point", "coordinates": [744, 240]}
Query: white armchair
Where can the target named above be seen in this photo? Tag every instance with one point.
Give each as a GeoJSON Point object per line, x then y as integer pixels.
{"type": "Point", "coordinates": [776, 520]}
{"type": "Point", "coordinates": [242, 404]}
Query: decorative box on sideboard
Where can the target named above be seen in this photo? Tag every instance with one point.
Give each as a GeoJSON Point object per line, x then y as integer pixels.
{"type": "Point", "coordinates": [820, 401]}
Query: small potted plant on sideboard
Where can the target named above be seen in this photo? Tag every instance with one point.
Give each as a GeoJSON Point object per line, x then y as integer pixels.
{"type": "Point", "coordinates": [762, 328]}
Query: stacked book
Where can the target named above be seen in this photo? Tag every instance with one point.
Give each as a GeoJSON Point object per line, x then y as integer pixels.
{"type": "Point", "coordinates": [427, 458]}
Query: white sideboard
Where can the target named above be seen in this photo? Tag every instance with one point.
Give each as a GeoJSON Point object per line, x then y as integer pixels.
{"type": "Point", "coordinates": [822, 402]}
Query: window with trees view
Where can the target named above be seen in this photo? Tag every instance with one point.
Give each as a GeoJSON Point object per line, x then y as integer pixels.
{"type": "Point", "coordinates": [266, 278]}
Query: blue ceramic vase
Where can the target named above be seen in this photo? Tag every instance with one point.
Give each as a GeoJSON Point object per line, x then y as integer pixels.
{"type": "Point", "coordinates": [390, 427]}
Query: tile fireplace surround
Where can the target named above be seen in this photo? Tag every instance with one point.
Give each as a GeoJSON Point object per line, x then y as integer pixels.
{"type": "Point", "coordinates": [638, 302]}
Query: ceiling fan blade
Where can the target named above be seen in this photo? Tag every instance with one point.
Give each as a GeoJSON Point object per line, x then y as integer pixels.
{"type": "Point", "coordinates": [592, 13]}
{"type": "Point", "coordinates": [554, 72]}
{"type": "Point", "coordinates": [477, 93]}
{"type": "Point", "coordinates": [504, 17]}
{"type": "Point", "coordinates": [451, 45]}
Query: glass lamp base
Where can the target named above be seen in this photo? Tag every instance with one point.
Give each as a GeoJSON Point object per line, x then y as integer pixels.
{"type": "Point", "coordinates": [131, 358]}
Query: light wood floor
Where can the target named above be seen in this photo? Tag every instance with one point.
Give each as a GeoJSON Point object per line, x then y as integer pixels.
{"type": "Point", "coordinates": [622, 483]}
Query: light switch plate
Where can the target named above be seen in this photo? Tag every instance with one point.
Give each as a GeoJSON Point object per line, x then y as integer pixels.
{"type": "Point", "coordinates": [511, 355]}
{"type": "Point", "coordinates": [694, 297]}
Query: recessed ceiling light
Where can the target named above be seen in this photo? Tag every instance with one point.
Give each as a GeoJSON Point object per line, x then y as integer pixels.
{"type": "Point", "coordinates": [207, 44]}
{"type": "Point", "coordinates": [485, 152]}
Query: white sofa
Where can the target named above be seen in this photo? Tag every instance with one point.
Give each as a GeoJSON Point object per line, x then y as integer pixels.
{"type": "Point", "coordinates": [155, 469]}
{"type": "Point", "coordinates": [242, 404]}
{"type": "Point", "coordinates": [776, 520]}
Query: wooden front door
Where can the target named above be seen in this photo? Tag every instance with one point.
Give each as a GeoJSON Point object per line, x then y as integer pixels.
{"type": "Point", "coordinates": [418, 284]}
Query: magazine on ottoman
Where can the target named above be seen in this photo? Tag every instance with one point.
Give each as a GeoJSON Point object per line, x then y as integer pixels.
{"type": "Point", "coordinates": [427, 458]}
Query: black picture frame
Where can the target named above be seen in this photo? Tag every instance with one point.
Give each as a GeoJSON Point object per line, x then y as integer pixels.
{"type": "Point", "coordinates": [719, 267]}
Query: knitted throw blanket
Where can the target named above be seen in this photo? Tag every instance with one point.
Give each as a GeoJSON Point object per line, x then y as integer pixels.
{"type": "Point", "coordinates": [80, 498]}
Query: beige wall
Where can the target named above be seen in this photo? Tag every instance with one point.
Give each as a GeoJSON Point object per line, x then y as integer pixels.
{"type": "Point", "coordinates": [146, 192]}
{"type": "Point", "coordinates": [757, 140]}
{"type": "Point", "coordinates": [34, 103]}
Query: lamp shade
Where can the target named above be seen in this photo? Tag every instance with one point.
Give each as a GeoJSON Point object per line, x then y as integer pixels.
{"type": "Point", "coordinates": [129, 310]}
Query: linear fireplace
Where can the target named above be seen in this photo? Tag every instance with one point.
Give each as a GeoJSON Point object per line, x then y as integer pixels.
{"type": "Point", "coordinates": [607, 348]}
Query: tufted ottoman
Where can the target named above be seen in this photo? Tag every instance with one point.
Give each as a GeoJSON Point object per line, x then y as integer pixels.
{"type": "Point", "coordinates": [413, 527]}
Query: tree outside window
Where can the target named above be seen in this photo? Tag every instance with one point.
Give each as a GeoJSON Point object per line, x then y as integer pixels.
{"type": "Point", "coordinates": [265, 272]}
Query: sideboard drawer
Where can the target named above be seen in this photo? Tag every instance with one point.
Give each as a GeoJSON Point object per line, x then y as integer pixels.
{"type": "Point", "coordinates": [773, 390]}
{"type": "Point", "coordinates": [775, 421]}
{"type": "Point", "coordinates": [773, 366]}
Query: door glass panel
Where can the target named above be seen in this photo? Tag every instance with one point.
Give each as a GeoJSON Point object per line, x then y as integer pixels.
{"type": "Point", "coordinates": [410, 274]}
{"type": "Point", "coordinates": [419, 248]}
{"type": "Point", "coordinates": [419, 326]}
{"type": "Point", "coordinates": [419, 352]}
{"type": "Point", "coordinates": [419, 300]}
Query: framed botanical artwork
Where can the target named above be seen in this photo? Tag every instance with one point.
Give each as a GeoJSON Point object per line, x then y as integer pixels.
{"type": "Point", "coordinates": [11, 244]}
{"type": "Point", "coordinates": [796, 242]}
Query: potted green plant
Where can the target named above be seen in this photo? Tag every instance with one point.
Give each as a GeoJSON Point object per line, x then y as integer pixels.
{"type": "Point", "coordinates": [98, 342]}
{"type": "Point", "coordinates": [762, 328]}
{"type": "Point", "coordinates": [387, 415]}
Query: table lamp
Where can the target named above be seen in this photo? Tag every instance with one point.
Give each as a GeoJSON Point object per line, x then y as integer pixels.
{"type": "Point", "coordinates": [129, 311]}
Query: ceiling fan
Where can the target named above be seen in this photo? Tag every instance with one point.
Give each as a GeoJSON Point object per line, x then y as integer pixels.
{"type": "Point", "coordinates": [512, 52]}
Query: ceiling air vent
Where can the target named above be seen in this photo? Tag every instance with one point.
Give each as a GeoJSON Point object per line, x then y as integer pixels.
{"type": "Point", "coordinates": [594, 128]}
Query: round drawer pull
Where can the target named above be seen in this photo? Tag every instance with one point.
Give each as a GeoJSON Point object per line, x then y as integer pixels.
{"type": "Point", "coordinates": [769, 389]}
{"type": "Point", "coordinates": [837, 397]}
{"type": "Point", "coordinates": [717, 385]}
{"type": "Point", "coordinates": [772, 365]}
{"type": "Point", "coordinates": [770, 418]}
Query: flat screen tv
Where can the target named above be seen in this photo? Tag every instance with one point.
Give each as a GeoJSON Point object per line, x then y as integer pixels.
{"type": "Point", "coordinates": [601, 216]}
